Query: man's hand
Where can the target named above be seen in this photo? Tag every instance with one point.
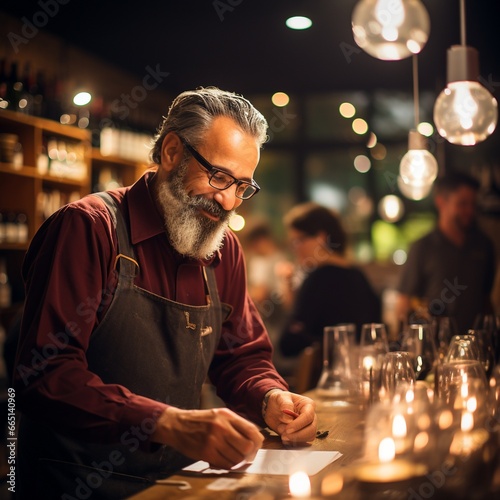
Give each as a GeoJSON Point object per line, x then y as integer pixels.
{"type": "Point", "coordinates": [218, 436]}
{"type": "Point", "coordinates": [292, 430]}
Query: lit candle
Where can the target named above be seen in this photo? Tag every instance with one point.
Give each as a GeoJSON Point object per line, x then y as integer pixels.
{"type": "Point", "coordinates": [399, 432]}
{"type": "Point", "coordinates": [467, 440]}
{"type": "Point", "coordinates": [388, 470]}
{"type": "Point", "coordinates": [300, 485]}
{"type": "Point", "coordinates": [399, 426]}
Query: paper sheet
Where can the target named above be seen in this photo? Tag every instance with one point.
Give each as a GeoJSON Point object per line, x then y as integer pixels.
{"type": "Point", "coordinates": [277, 462]}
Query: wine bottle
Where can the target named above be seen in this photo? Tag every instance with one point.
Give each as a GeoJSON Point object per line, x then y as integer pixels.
{"type": "Point", "coordinates": [3, 84]}
{"type": "Point", "coordinates": [5, 288]}
{"type": "Point", "coordinates": [14, 88]}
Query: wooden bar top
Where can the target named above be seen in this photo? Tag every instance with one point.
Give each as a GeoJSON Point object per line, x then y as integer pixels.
{"type": "Point", "coordinates": [345, 426]}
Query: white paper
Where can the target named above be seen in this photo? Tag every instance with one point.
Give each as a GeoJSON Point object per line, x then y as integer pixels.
{"type": "Point", "coordinates": [277, 462]}
{"type": "Point", "coordinates": [224, 483]}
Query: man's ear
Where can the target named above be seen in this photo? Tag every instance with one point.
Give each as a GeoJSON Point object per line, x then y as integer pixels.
{"type": "Point", "coordinates": [172, 151]}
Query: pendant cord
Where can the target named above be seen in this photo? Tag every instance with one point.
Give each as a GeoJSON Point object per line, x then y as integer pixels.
{"type": "Point", "coordinates": [462, 23]}
{"type": "Point", "coordinates": [415, 90]}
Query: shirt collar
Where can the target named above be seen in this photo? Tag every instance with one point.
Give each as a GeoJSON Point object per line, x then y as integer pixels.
{"type": "Point", "coordinates": [146, 222]}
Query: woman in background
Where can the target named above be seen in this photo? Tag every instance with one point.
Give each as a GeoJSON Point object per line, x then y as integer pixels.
{"type": "Point", "coordinates": [333, 290]}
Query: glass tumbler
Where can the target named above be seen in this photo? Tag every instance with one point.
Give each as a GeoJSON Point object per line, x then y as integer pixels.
{"type": "Point", "coordinates": [335, 379]}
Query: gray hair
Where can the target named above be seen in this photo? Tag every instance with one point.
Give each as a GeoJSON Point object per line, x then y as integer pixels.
{"type": "Point", "coordinates": [192, 112]}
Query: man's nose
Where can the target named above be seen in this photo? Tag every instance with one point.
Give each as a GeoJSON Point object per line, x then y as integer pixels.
{"type": "Point", "coordinates": [227, 198]}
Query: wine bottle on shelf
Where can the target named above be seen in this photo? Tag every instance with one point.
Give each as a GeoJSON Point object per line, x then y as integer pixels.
{"type": "Point", "coordinates": [5, 288]}
{"type": "Point", "coordinates": [3, 83]}
{"type": "Point", "coordinates": [14, 88]}
{"type": "Point", "coordinates": [26, 98]}
{"type": "Point", "coordinates": [38, 93]}
{"type": "Point", "coordinates": [22, 227]}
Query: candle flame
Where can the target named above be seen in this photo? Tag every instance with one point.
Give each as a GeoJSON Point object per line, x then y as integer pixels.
{"type": "Point", "coordinates": [471, 404]}
{"type": "Point", "coordinates": [399, 426]}
{"type": "Point", "coordinates": [300, 485]}
{"type": "Point", "coordinates": [467, 422]}
{"type": "Point", "coordinates": [386, 450]}
{"type": "Point", "coordinates": [464, 390]}
{"type": "Point", "coordinates": [368, 362]}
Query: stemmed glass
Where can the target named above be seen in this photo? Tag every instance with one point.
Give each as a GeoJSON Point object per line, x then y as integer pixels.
{"type": "Point", "coordinates": [486, 349]}
{"type": "Point", "coordinates": [444, 329]}
{"type": "Point", "coordinates": [419, 343]}
{"type": "Point", "coordinates": [462, 348]}
{"type": "Point", "coordinates": [397, 374]}
{"type": "Point", "coordinates": [490, 323]}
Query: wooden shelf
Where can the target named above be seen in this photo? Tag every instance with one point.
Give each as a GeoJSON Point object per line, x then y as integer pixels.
{"type": "Point", "coordinates": [25, 190]}
{"type": "Point", "coordinates": [14, 246]}
{"type": "Point", "coordinates": [45, 125]}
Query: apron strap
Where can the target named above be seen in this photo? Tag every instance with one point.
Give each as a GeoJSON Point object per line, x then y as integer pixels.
{"type": "Point", "coordinates": [125, 254]}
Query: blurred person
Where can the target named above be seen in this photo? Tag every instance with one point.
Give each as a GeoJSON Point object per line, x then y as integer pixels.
{"type": "Point", "coordinates": [333, 289]}
{"type": "Point", "coordinates": [263, 256]}
{"type": "Point", "coordinates": [450, 271]}
{"type": "Point", "coordinates": [134, 297]}
{"type": "Point", "coordinates": [265, 261]}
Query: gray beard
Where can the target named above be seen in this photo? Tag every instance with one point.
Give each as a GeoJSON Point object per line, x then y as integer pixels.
{"type": "Point", "coordinates": [189, 232]}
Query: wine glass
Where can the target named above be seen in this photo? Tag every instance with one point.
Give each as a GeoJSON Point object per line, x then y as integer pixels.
{"type": "Point", "coordinates": [462, 348]}
{"type": "Point", "coordinates": [374, 345]}
{"type": "Point", "coordinates": [494, 398]}
{"type": "Point", "coordinates": [444, 329]}
{"type": "Point", "coordinates": [419, 343]}
{"type": "Point", "coordinates": [397, 374]}
{"type": "Point", "coordinates": [486, 349]}
{"type": "Point", "coordinates": [490, 323]}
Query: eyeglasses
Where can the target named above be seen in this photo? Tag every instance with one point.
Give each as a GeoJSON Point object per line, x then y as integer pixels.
{"type": "Point", "coordinates": [221, 180]}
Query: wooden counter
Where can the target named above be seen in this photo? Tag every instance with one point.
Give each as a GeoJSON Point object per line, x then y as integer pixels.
{"type": "Point", "coordinates": [346, 428]}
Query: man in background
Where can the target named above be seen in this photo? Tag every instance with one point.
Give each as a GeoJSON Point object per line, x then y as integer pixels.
{"type": "Point", "coordinates": [450, 271]}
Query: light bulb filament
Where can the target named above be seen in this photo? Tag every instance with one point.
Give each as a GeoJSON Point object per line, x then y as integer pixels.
{"type": "Point", "coordinates": [465, 106]}
{"type": "Point", "coordinates": [391, 15]}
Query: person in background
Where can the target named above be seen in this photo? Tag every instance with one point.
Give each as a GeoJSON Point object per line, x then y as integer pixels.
{"type": "Point", "coordinates": [333, 290]}
{"type": "Point", "coordinates": [265, 260]}
{"type": "Point", "coordinates": [134, 296]}
{"type": "Point", "coordinates": [450, 271]}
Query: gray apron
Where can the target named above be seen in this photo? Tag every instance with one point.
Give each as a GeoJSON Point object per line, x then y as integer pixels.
{"type": "Point", "coordinates": [155, 347]}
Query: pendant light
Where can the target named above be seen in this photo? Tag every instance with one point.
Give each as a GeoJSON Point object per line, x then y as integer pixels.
{"type": "Point", "coordinates": [418, 167]}
{"type": "Point", "coordinates": [465, 113]}
{"type": "Point", "coordinates": [390, 29]}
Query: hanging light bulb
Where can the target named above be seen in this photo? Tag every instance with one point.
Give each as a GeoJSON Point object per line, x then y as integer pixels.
{"type": "Point", "coordinates": [418, 167]}
{"type": "Point", "coordinates": [390, 29]}
{"type": "Point", "coordinates": [465, 113]}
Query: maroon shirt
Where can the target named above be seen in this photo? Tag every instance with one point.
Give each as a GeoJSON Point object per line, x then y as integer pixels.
{"type": "Point", "coordinates": [69, 271]}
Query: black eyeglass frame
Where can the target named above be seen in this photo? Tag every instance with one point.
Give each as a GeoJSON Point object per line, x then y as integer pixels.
{"type": "Point", "coordinates": [214, 170]}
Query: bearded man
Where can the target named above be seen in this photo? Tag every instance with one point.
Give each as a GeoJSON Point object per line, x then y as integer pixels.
{"type": "Point", "coordinates": [134, 297]}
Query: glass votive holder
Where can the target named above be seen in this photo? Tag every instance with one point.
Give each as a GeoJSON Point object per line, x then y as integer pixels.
{"type": "Point", "coordinates": [463, 386]}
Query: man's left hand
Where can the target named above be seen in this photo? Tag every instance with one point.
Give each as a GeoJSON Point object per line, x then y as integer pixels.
{"type": "Point", "coordinates": [292, 430]}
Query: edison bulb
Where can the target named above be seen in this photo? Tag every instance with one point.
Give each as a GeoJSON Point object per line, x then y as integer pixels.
{"type": "Point", "coordinates": [465, 113]}
{"type": "Point", "coordinates": [390, 29]}
{"type": "Point", "coordinates": [418, 167]}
